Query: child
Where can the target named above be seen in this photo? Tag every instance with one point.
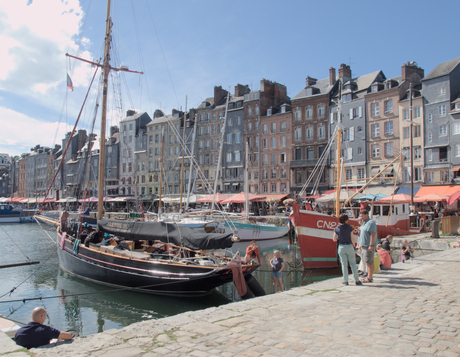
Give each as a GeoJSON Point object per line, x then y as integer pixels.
{"type": "Point", "coordinates": [277, 264]}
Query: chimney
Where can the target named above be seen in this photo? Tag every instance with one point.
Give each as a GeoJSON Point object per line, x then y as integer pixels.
{"type": "Point", "coordinates": [331, 76]}
{"type": "Point", "coordinates": [219, 94]}
{"type": "Point", "coordinates": [241, 90]}
{"type": "Point", "coordinates": [130, 113]}
{"type": "Point", "coordinates": [158, 113]}
{"type": "Point", "coordinates": [310, 81]}
{"type": "Point", "coordinates": [344, 73]}
{"type": "Point", "coordinates": [113, 130]}
{"type": "Point", "coordinates": [409, 69]}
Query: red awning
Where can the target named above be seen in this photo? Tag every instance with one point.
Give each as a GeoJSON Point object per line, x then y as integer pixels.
{"type": "Point", "coordinates": [274, 196]}
{"type": "Point", "coordinates": [440, 190]}
{"type": "Point", "coordinates": [456, 168]}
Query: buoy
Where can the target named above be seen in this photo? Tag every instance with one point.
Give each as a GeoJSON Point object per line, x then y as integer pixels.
{"type": "Point", "coordinates": [254, 285]}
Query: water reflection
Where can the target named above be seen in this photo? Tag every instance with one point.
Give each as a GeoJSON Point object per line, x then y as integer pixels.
{"type": "Point", "coordinates": [100, 307]}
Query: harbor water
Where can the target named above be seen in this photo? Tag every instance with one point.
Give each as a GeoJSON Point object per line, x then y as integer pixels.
{"type": "Point", "coordinates": [74, 303]}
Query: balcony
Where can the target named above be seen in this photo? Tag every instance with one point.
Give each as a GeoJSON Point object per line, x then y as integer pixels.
{"type": "Point", "coordinates": [303, 163]}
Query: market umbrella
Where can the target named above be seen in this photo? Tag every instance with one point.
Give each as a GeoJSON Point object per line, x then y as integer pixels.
{"type": "Point", "coordinates": [241, 197]}
{"type": "Point", "coordinates": [398, 197]}
{"type": "Point", "coordinates": [219, 197]}
{"type": "Point", "coordinates": [455, 196]}
{"type": "Point", "coordinates": [431, 197]}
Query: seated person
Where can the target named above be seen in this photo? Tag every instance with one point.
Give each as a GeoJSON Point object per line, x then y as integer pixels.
{"type": "Point", "coordinates": [252, 253]}
{"type": "Point", "coordinates": [406, 251]}
{"type": "Point", "coordinates": [387, 242]}
{"type": "Point", "coordinates": [35, 334]}
{"type": "Point", "coordinates": [385, 258]}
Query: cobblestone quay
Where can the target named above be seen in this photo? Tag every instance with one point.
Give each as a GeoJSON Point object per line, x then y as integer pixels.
{"type": "Point", "coordinates": [413, 309]}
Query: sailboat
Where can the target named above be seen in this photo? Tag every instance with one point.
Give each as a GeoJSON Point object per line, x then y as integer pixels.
{"type": "Point", "coordinates": [156, 257]}
{"type": "Point", "coordinates": [393, 215]}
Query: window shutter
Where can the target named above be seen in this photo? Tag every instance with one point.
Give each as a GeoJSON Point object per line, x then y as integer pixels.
{"type": "Point", "coordinates": [352, 133]}
{"type": "Point", "coordinates": [349, 153]}
{"type": "Point", "coordinates": [351, 113]}
{"type": "Point", "coordinates": [360, 112]}
{"type": "Point", "coordinates": [332, 117]}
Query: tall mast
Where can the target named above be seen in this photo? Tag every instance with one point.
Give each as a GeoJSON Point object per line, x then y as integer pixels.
{"type": "Point", "coordinates": [222, 137]}
{"type": "Point", "coordinates": [411, 150]}
{"type": "Point", "coordinates": [183, 157]}
{"type": "Point", "coordinates": [338, 154]}
{"type": "Point", "coordinates": [161, 169]}
{"type": "Point", "coordinates": [106, 70]}
{"type": "Point", "coordinates": [191, 165]}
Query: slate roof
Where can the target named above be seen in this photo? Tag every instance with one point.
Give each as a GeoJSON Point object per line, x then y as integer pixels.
{"type": "Point", "coordinates": [443, 69]}
{"type": "Point", "coordinates": [323, 86]}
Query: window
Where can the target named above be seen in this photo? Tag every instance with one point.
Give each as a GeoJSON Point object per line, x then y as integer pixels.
{"type": "Point", "coordinates": [375, 151]}
{"type": "Point", "coordinates": [310, 154]}
{"type": "Point", "coordinates": [389, 106]}
{"type": "Point", "coordinates": [355, 113]}
{"type": "Point", "coordinates": [229, 138]}
{"type": "Point", "coordinates": [207, 130]}
{"type": "Point", "coordinates": [417, 131]}
{"type": "Point", "coordinates": [417, 112]}
{"type": "Point", "coordinates": [298, 134]}
{"type": "Point", "coordinates": [238, 120]}
{"type": "Point", "coordinates": [256, 175]}
{"type": "Point", "coordinates": [406, 114]}
{"type": "Point", "coordinates": [309, 133]}
{"type": "Point", "coordinates": [375, 130]}
{"type": "Point", "coordinates": [273, 127]}
{"type": "Point", "coordinates": [237, 156]}
{"type": "Point", "coordinates": [273, 142]}
{"type": "Point", "coordinates": [457, 150]}
{"type": "Point", "coordinates": [430, 154]}
{"type": "Point", "coordinates": [430, 118]}
{"type": "Point", "coordinates": [360, 173]}
{"type": "Point", "coordinates": [256, 125]}
{"type": "Point", "coordinates": [298, 154]}
{"type": "Point", "coordinates": [443, 130]}
{"type": "Point", "coordinates": [273, 187]}
{"type": "Point", "coordinates": [265, 175]}
{"type": "Point", "coordinates": [206, 145]}
{"type": "Point", "coordinates": [442, 90]}
{"type": "Point", "coordinates": [273, 174]}
{"type": "Point", "coordinates": [283, 141]}
{"type": "Point", "coordinates": [298, 176]}
{"type": "Point", "coordinates": [201, 118]}
{"type": "Point", "coordinates": [283, 127]}
{"type": "Point", "coordinates": [264, 189]}
{"type": "Point", "coordinates": [430, 136]}
{"type": "Point", "coordinates": [406, 133]}
{"type": "Point", "coordinates": [321, 111]}
{"type": "Point", "coordinates": [265, 129]}
{"type": "Point", "coordinates": [249, 111]}
{"type": "Point", "coordinates": [264, 143]}
{"type": "Point", "coordinates": [455, 128]}
{"type": "Point", "coordinates": [309, 113]}
{"type": "Point", "coordinates": [389, 128]}
{"type": "Point", "coordinates": [283, 158]}
{"type": "Point", "coordinates": [200, 145]}
{"type": "Point", "coordinates": [230, 121]}
{"type": "Point", "coordinates": [208, 115]}
{"type": "Point", "coordinates": [389, 149]}
{"type": "Point", "coordinates": [237, 138]}
{"type": "Point", "coordinates": [297, 114]}
{"type": "Point", "coordinates": [249, 126]}
{"type": "Point", "coordinates": [442, 110]}
{"type": "Point", "coordinates": [430, 177]}
{"type": "Point", "coordinates": [375, 109]}
{"type": "Point", "coordinates": [269, 112]}
{"type": "Point", "coordinates": [130, 126]}
{"type": "Point", "coordinates": [417, 152]}
{"type": "Point", "coordinates": [321, 132]}
{"type": "Point", "coordinates": [229, 157]}
{"type": "Point", "coordinates": [283, 173]}
{"type": "Point", "coordinates": [256, 111]}
{"type": "Point", "coordinates": [360, 129]}
{"type": "Point", "coordinates": [346, 98]}
{"type": "Point", "coordinates": [265, 159]}
{"type": "Point", "coordinates": [349, 174]}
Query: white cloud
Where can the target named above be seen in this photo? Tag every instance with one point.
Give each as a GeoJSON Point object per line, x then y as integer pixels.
{"type": "Point", "coordinates": [34, 41]}
{"type": "Point", "coordinates": [30, 132]}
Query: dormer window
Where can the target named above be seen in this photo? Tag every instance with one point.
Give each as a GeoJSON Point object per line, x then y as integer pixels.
{"type": "Point", "coordinates": [269, 112]}
{"type": "Point", "coordinates": [346, 98]}
{"type": "Point", "coordinates": [283, 109]}
{"type": "Point", "coordinates": [375, 88]}
{"type": "Point", "coordinates": [457, 106]}
{"type": "Point", "coordinates": [308, 91]}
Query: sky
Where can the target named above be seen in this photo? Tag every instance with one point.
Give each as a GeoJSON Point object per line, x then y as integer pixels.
{"type": "Point", "coordinates": [186, 47]}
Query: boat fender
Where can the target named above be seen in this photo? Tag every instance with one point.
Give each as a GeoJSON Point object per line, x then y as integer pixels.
{"type": "Point", "coordinates": [249, 294]}
{"type": "Point", "coordinates": [254, 285]}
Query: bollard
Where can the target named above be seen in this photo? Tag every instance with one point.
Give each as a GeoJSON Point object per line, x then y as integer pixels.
{"type": "Point", "coordinates": [435, 229]}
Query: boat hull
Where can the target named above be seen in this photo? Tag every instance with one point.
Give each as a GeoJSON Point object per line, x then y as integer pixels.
{"type": "Point", "coordinates": [315, 231]}
{"type": "Point", "coordinates": [152, 276]}
{"type": "Point", "coordinates": [248, 232]}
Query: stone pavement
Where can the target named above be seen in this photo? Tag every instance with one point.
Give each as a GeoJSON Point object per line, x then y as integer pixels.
{"type": "Point", "coordinates": [413, 309]}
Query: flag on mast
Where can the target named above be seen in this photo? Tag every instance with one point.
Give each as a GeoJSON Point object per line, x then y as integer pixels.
{"type": "Point", "coordinates": [69, 82]}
